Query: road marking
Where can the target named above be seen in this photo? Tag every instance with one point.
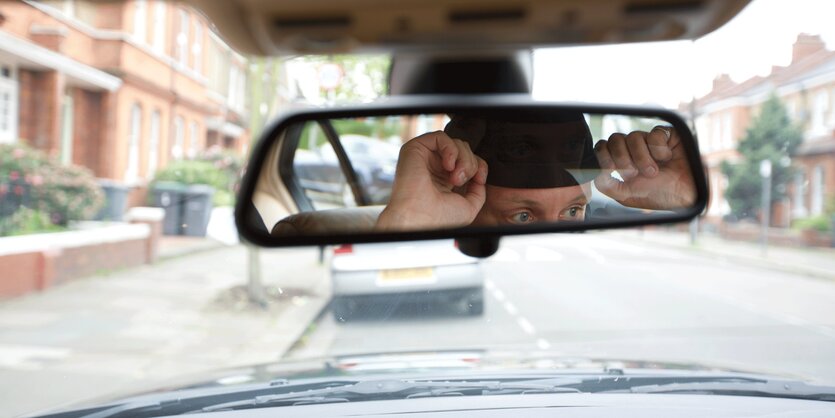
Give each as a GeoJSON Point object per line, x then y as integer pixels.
{"type": "Point", "coordinates": [510, 308]}
{"type": "Point", "coordinates": [543, 344]}
{"type": "Point", "coordinates": [526, 325]}
{"type": "Point", "coordinates": [499, 295]}
{"type": "Point", "coordinates": [537, 253]}
{"type": "Point", "coordinates": [594, 255]}
{"type": "Point", "coordinates": [506, 255]}
{"type": "Point", "coordinates": [489, 284]}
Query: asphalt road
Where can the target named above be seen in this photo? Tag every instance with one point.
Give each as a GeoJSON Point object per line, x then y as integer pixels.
{"type": "Point", "coordinates": [591, 296]}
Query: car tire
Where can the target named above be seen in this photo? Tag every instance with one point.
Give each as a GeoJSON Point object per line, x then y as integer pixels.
{"type": "Point", "coordinates": [343, 309]}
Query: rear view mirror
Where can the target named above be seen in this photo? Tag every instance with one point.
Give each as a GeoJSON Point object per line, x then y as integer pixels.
{"type": "Point", "coordinates": [473, 168]}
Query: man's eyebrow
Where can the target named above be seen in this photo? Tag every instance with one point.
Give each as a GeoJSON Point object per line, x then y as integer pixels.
{"type": "Point", "coordinates": [580, 198]}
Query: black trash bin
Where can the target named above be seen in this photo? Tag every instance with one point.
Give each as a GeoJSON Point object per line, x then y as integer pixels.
{"type": "Point", "coordinates": [169, 196]}
{"type": "Point", "coordinates": [115, 200]}
{"type": "Point", "coordinates": [197, 209]}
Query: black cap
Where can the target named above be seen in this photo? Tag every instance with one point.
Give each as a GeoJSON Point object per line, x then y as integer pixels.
{"type": "Point", "coordinates": [530, 149]}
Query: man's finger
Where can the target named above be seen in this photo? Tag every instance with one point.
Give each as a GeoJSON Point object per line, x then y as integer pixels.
{"type": "Point", "coordinates": [466, 165]}
{"type": "Point", "coordinates": [636, 142]}
{"type": "Point", "coordinates": [611, 186]}
{"type": "Point", "coordinates": [620, 155]}
{"type": "Point", "coordinates": [601, 150]}
{"type": "Point", "coordinates": [658, 141]}
{"type": "Point", "coordinates": [475, 195]}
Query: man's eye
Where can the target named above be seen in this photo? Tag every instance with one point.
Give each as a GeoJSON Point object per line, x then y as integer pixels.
{"type": "Point", "coordinates": [521, 217]}
{"type": "Point", "coordinates": [573, 213]}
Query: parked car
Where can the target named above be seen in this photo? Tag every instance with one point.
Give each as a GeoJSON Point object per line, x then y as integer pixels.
{"type": "Point", "coordinates": [409, 272]}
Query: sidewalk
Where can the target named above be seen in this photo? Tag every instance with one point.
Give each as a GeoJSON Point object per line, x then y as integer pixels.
{"type": "Point", "coordinates": [141, 326]}
{"type": "Point", "coordinates": [815, 262]}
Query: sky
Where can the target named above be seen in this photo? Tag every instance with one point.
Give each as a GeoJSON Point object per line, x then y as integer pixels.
{"type": "Point", "coordinates": [667, 73]}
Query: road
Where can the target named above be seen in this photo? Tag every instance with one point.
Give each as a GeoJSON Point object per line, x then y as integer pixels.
{"type": "Point", "coordinates": [591, 295]}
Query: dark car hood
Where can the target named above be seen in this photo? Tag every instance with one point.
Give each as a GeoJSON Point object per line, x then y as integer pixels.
{"type": "Point", "coordinates": [472, 364]}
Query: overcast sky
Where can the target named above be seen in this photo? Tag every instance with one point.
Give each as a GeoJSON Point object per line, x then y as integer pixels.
{"type": "Point", "coordinates": [667, 73]}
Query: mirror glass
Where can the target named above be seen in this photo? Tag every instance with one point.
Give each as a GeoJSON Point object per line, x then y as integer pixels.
{"type": "Point", "coordinates": [333, 176]}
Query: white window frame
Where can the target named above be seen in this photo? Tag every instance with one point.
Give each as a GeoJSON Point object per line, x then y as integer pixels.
{"type": "Point", "coordinates": [179, 138]}
{"type": "Point", "coordinates": [133, 148]}
{"type": "Point", "coordinates": [817, 188]}
{"type": "Point", "coordinates": [153, 146]}
{"type": "Point", "coordinates": [160, 13]}
{"type": "Point", "coordinates": [9, 85]}
{"type": "Point", "coordinates": [799, 195]}
{"type": "Point", "coordinates": [192, 139]}
{"type": "Point", "coordinates": [181, 40]}
{"type": "Point", "coordinates": [818, 119]}
{"type": "Point", "coordinates": [67, 115]}
{"type": "Point", "coordinates": [197, 48]}
{"type": "Point", "coordinates": [140, 20]}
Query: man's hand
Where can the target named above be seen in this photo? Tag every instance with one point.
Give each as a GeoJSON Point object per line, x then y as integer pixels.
{"type": "Point", "coordinates": [439, 183]}
{"type": "Point", "coordinates": [653, 166]}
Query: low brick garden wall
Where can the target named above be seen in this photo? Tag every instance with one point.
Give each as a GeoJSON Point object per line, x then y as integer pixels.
{"type": "Point", "coordinates": [35, 262]}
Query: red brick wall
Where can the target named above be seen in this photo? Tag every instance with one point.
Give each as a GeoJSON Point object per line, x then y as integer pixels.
{"type": "Point", "coordinates": [88, 260]}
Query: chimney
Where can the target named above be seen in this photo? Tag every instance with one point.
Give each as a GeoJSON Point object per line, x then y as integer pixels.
{"type": "Point", "coordinates": [722, 82]}
{"type": "Point", "coordinates": [806, 45]}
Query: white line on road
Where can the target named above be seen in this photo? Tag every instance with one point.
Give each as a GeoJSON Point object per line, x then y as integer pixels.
{"type": "Point", "coordinates": [489, 284]}
{"type": "Point", "coordinates": [24, 357]}
{"type": "Point", "coordinates": [499, 295]}
{"type": "Point", "coordinates": [594, 255]}
{"type": "Point", "coordinates": [543, 344]}
{"type": "Point", "coordinates": [526, 325]}
{"type": "Point", "coordinates": [537, 253]}
{"type": "Point", "coordinates": [510, 308]}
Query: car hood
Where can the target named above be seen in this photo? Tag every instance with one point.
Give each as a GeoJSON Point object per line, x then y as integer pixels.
{"type": "Point", "coordinates": [470, 364]}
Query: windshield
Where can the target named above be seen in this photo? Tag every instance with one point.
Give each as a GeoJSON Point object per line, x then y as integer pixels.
{"type": "Point", "coordinates": [124, 131]}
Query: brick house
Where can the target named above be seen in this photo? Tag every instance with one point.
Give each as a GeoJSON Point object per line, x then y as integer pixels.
{"type": "Point", "coordinates": [807, 88]}
{"type": "Point", "coordinates": [119, 87]}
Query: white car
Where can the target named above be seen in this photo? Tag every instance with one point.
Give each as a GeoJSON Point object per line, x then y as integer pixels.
{"type": "Point", "coordinates": [419, 271]}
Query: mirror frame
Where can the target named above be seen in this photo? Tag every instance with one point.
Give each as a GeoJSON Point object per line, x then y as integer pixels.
{"type": "Point", "coordinates": [450, 104]}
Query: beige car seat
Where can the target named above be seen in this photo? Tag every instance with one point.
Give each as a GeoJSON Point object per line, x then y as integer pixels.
{"type": "Point", "coordinates": [343, 221]}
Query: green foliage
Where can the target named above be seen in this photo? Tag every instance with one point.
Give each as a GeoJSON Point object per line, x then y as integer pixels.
{"type": "Point", "coordinates": [373, 127]}
{"type": "Point", "coordinates": [771, 136]}
{"type": "Point", "coordinates": [30, 178]}
{"type": "Point", "coordinates": [216, 168]}
{"type": "Point", "coordinates": [26, 221]}
{"type": "Point", "coordinates": [820, 223]}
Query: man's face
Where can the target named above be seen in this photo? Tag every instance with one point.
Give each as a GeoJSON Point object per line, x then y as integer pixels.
{"type": "Point", "coordinates": [512, 206]}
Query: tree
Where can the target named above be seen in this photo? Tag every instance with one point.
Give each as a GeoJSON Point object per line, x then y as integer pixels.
{"type": "Point", "coordinates": [771, 136]}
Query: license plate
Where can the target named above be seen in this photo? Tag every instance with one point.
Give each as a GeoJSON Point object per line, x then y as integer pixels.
{"type": "Point", "coordinates": [406, 274]}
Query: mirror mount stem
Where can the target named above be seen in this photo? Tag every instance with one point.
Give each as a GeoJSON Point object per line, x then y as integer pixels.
{"type": "Point", "coordinates": [482, 247]}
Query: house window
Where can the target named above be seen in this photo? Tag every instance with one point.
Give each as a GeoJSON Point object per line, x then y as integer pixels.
{"type": "Point", "coordinates": [153, 147]}
{"type": "Point", "coordinates": [159, 26]}
{"type": "Point", "coordinates": [820, 107]}
{"type": "Point", "coordinates": [8, 105]}
{"type": "Point", "coordinates": [140, 20]}
{"type": "Point", "coordinates": [66, 129]}
{"type": "Point", "coordinates": [192, 140]}
{"type": "Point", "coordinates": [182, 37]}
{"type": "Point", "coordinates": [799, 196]}
{"type": "Point", "coordinates": [197, 48]}
{"type": "Point", "coordinates": [816, 204]}
{"type": "Point", "coordinates": [179, 137]}
{"type": "Point", "coordinates": [716, 133]}
{"type": "Point", "coordinates": [134, 133]}
{"type": "Point", "coordinates": [727, 131]}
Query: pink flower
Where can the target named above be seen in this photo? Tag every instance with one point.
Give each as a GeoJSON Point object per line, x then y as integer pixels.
{"type": "Point", "coordinates": [3, 189]}
{"type": "Point", "coordinates": [14, 175]}
{"type": "Point", "coordinates": [18, 153]}
{"type": "Point", "coordinates": [37, 180]}
{"type": "Point", "coordinates": [18, 190]}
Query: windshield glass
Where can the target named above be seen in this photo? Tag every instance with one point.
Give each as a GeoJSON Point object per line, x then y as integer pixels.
{"type": "Point", "coordinates": [124, 131]}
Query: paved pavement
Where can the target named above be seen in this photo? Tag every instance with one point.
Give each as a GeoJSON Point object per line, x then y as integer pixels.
{"type": "Point", "coordinates": [137, 327]}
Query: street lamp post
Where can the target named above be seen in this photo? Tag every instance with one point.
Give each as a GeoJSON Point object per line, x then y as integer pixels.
{"type": "Point", "coordinates": [765, 173]}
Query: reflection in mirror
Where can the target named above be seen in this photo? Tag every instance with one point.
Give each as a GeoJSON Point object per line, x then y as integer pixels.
{"type": "Point", "coordinates": [442, 171]}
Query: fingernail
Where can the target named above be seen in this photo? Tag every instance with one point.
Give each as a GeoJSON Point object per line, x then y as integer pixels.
{"type": "Point", "coordinates": [650, 171]}
{"type": "Point", "coordinates": [663, 129]}
{"type": "Point", "coordinates": [462, 177]}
